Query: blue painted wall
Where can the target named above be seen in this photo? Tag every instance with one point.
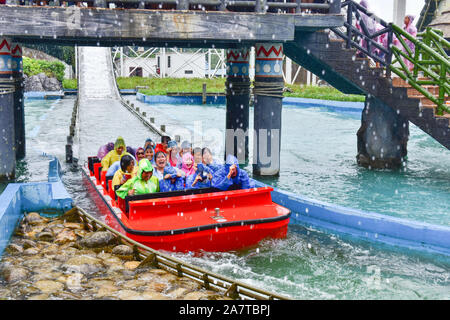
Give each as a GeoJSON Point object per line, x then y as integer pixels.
{"type": "Point", "coordinates": [26, 197]}
{"type": "Point", "coordinates": [363, 225]}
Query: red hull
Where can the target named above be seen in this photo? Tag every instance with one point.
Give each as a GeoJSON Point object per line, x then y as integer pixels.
{"type": "Point", "coordinates": [189, 223]}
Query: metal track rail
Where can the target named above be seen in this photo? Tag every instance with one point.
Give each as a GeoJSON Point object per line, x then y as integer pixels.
{"type": "Point", "coordinates": [150, 257]}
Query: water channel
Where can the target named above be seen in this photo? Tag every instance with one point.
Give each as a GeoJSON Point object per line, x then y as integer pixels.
{"type": "Point", "coordinates": [318, 151]}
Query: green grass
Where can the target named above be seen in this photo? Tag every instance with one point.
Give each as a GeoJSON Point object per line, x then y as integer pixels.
{"type": "Point", "coordinates": [158, 86]}
{"type": "Point", "coordinates": [69, 83]}
{"type": "Point", "coordinates": [323, 93]}
{"type": "Point", "coordinates": [161, 87]}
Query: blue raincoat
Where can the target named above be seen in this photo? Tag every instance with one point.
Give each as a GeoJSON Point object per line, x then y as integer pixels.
{"type": "Point", "coordinates": [241, 179]}
{"type": "Point", "coordinates": [167, 185]}
{"type": "Point", "coordinates": [203, 171]}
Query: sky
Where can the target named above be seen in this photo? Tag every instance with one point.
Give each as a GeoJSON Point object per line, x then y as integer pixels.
{"type": "Point", "coordinates": [385, 8]}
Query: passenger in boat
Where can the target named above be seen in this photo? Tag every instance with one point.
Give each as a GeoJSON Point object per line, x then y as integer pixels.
{"type": "Point", "coordinates": [197, 153]}
{"type": "Point", "coordinates": [126, 171]}
{"type": "Point", "coordinates": [163, 145]}
{"type": "Point", "coordinates": [149, 142]}
{"type": "Point", "coordinates": [140, 154]}
{"type": "Point", "coordinates": [200, 179]}
{"type": "Point", "coordinates": [188, 164]}
{"type": "Point", "coordinates": [173, 154]}
{"type": "Point", "coordinates": [114, 155]}
{"type": "Point", "coordinates": [149, 154]}
{"type": "Point", "coordinates": [231, 175]}
{"type": "Point", "coordinates": [144, 182]}
{"type": "Point", "coordinates": [103, 150]}
{"type": "Point", "coordinates": [186, 147]}
{"type": "Point", "coordinates": [211, 164]}
{"type": "Point", "coordinates": [170, 178]}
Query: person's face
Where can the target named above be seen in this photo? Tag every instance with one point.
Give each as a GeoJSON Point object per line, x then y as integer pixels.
{"type": "Point", "coordinates": [207, 157]}
{"type": "Point", "coordinates": [174, 150]}
{"type": "Point", "coordinates": [130, 167]}
{"type": "Point", "coordinates": [188, 163]}
{"type": "Point", "coordinates": [198, 157]}
{"type": "Point", "coordinates": [119, 150]}
{"type": "Point", "coordinates": [406, 21]}
{"type": "Point", "coordinates": [233, 171]}
{"type": "Point", "coordinates": [140, 155]}
{"type": "Point", "coordinates": [186, 150]}
{"type": "Point", "coordinates": [146, 175]}
{"type": "Point", "coordinates": [161, 160]}
{"type": "Point", "coordinates": [149, 154]}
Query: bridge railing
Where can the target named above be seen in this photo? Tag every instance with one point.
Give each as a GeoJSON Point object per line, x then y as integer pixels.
{"type": "Point", "coordinates": [259, 6]}
{"type": "Point", "coordinates": [389, 45]}
{"type": "Point", "coordinates": [431, 64]}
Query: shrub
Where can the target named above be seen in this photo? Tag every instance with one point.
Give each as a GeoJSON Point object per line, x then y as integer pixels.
{"type": "Point", "coordinates": [32, 67]}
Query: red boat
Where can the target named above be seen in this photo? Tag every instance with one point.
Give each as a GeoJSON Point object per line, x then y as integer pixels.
{"type": "Point", "coordinates": [207, 219]}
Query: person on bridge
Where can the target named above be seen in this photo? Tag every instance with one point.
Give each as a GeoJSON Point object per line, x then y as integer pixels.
{"type": "Point", "coordinates": [114, 155]}
{"type": "Point", "coordinates": [231, 176]}
{"type": "Point", "coordinates": [126, 171]}
{"type": "Point", "coordinates": [144, 182]}
{"type": "Point", "coordinates": [370, 25]}
{"type": "Point", "coordinates": [412, 30]}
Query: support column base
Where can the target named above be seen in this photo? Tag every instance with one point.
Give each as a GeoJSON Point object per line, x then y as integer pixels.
{"type": "Point", "coordinates": [382, 137]}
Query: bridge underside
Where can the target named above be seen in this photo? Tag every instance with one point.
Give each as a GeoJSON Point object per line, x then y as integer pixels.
{"type": "Point", "coordinates": [118, 27]}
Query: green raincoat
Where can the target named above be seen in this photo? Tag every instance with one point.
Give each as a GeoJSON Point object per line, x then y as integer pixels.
{"type": "Point", "coordinates": [138, 184]}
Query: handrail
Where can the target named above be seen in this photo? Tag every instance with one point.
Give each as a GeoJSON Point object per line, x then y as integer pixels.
{"type": "Point", "coordinates": [148, 256]}
{"type": "Point", "coordinates": [432, 63]}
{"type": "Point", "coordinates": [428, 56]}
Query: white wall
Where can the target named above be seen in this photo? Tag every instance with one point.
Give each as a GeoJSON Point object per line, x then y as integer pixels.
{"type": "Point", "coordinates": [185, 65]}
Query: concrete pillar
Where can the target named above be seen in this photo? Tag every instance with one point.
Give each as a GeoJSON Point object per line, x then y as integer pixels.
{"type": "Point", "coordinates": [238, 99]}
{"type": "Point", "coordinates": [382, 137]}
{"type": "Point", "coordinates": [268, 91]}
{"type": "Point", "coordinates": [19, 107]}
{"type": "Point", "coordinates": [7, 139]}
{"type": "Point", "coordinates": [399, 12]}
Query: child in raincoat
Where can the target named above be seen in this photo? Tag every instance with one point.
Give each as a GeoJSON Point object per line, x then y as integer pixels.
{"type": "Point", "coordinates": [231, 175]}
{"type": "Point", "coordinates": [114, 155]}
{"type": "Point", "coordinates": [143, 183]}
{"type": "Point", "coordinates": [126, 171]}
{"type": "Point", "coordinates": [188, 164]}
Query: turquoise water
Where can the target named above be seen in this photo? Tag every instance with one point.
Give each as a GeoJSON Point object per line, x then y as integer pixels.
{"type": "Point", "coordinates": [318, 160]}
{"type": "Point", "coordinates": [308, 264]}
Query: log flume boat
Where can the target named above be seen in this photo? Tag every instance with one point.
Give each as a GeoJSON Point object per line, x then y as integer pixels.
{"type": "Point", "coordinates": [206, 219]}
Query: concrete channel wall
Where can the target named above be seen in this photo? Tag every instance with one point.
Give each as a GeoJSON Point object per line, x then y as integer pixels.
{"type": "Point", "coordinates": [358, 224]}
{"type": "Point", "coordinates": [27, 197]}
